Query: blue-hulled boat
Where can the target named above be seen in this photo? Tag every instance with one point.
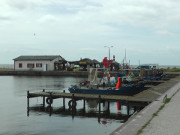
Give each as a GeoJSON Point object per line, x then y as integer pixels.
{"type": "Point", "coordinates": [129, 89]}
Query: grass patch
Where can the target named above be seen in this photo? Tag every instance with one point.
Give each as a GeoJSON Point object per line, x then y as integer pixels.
{"type": "Point", "coordinates": [161, 107]}
{"type": "Point", "coordinates": [155, 114]}
{"type": "Point", "coordinates": [167, 100]}
{"type": "Point", "coordinates": [172, 70]}
{"type": "Point", "coordinates": [6, 69]}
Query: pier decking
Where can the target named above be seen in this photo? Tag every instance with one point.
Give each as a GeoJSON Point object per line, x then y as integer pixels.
{"type": "Point", "coordinates": [76, 96]}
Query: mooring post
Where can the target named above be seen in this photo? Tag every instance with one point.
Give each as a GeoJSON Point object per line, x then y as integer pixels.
{"type": "Point", "coordinates": [99, 119]}
{"type": "Point", "coordinates": [84, 104]}
{"type": "Point", "coordinates": [27, 103]}
{"type": "Point", "coordinates": [108, 107]}
{"type": "Point", "coordinates": [99, 103]}
{"type": "Point", "coordinates": [27, 98]}
{"type": "Point", "coordinates": [135, 109]}
{"type": "Point", "coordinates": [43, 99]}
{"type": "Point", "coordinates": [73, 103]}
{"type": "Point", "coordinates": [64, 100]}
{"type": "Point", "coordinates": [128, 108]}
{"type": "Point", "coordinates": [50, 97]}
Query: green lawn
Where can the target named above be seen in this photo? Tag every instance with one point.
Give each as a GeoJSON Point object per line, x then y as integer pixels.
{"type": "Point", "coordinates": [6, 69]}
{"type": "Point", "coordinates": [172, 70]}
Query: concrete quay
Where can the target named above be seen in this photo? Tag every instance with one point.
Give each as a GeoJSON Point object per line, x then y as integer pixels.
{"type": "Point", "coordinates": [167, 121]}
{"type": "Point", "coordinates": [45, 73]}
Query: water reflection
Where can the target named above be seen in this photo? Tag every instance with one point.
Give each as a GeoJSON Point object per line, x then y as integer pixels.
{"type": "Point", "coordinates": [104, 116]}
{"type": "Point", "coordinates": [21, 84]}
{"type": "Point", "coordinates": [13, 114]}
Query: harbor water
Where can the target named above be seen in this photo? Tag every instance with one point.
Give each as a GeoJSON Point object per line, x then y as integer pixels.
{"type": "Point", "coordinates": [17, 119]}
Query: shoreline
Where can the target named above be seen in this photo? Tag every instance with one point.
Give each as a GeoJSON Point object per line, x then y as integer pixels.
{"type": "Point", "coordinates": [44, 73]}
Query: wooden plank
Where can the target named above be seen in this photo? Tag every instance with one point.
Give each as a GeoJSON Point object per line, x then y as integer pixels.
{"type": "Point", "coordinates": [143, 98]}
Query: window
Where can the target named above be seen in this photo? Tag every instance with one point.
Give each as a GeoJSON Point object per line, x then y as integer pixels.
{"type": "Point", "coordinates": [39, 65]}
{"type": "Point", "coordinates": [30, 65]}
{"type": "Point", "coordinates": [20, 65]}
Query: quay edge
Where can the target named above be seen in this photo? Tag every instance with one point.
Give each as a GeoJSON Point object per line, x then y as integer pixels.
{"type": "Point", "coordinates": [44, 73]}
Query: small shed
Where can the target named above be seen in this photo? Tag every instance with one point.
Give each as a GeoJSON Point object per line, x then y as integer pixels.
{"type": "Point", "coordinates": [88, 63]}
{"type": "Point", "coordinates": [36, 63]}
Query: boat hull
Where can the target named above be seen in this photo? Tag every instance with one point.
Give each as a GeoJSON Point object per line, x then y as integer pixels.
{"type": "Point", "coordinates": [128, 90]}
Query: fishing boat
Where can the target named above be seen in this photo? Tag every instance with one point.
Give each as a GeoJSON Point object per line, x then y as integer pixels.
{"type": "Point", "coordinates": [119, 89]}
{"type": "Point", "coordinates": [128, 89]}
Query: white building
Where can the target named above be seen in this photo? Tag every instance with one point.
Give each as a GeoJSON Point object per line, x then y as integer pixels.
{"type": "Point", "coordinates": [37, 63]}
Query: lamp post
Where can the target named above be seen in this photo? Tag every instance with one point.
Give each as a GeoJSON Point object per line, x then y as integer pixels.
{"type": "Point", "coordinates": [109, 50]}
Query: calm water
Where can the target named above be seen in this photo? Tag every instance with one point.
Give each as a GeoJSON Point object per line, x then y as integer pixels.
{"type": "Point", "coordinates": [13, 110]}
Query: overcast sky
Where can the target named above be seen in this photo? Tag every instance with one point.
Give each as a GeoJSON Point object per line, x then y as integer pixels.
{"type": "Point", "coordinates": [149, 30]}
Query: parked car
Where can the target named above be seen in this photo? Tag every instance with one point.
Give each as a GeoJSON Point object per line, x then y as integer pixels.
{"type": "Point", "coordinates": [144, 67]}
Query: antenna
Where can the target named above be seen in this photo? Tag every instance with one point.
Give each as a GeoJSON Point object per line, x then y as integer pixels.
{"type": "Point", "coordinates": [125, 53]}
{"type": "Point", "coordinates": [125, 57]}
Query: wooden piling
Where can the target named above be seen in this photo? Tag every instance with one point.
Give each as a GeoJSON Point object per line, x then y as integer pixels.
{"type": "Point", "coordinates": [43, 99]}
{"type": "Point", "coordinates": [73, 102]}
{"type": "Point", "coordinates": [64, 101]}
{"type": "Point", "coordinates": [99, 100]}
{"type": "Point", "coordinates": [108, 107]}
{"type": "Point", "coordinates": [84, 104]}
{"type": "Point", "coordinates": [128, 109]}
{"type": "Point", "coordinates": [73, 96]}
{"type": "Point", "coordinates": [27, 103]}
{"type": "Point", "coordinates": [27, 98]}
{"type": "Point", "coordinates": [50, 97]}
{"type": "Point", "coordinates": [135, 108]}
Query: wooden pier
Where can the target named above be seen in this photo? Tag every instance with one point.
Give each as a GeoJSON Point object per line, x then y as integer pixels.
{"type": "Point", "coordinates": [48, 97]}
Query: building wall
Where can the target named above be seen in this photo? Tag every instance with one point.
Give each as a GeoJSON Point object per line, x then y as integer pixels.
{"type": "Point", "coordinates": [46, 65]}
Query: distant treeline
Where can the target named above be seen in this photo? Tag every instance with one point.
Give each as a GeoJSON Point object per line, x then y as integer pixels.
{"type": "Point", "coordinates": [172, 69]}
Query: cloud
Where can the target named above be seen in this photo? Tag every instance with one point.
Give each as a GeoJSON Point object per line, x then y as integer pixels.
{"type": "Point", "coordinates": [88, 25]}
{"type": "Point", "coordinates": [4, 18]}
{"type": "Point", "coordinates": [48, 18]}
{"type": "Point", "coordinates": [25, 4]}
{"type": "Point", "coordinates": [165, 33]}
{"type": "Point", "coordinates": [88, 49]}
{"type": "Point", "coordinates": [148, 14]}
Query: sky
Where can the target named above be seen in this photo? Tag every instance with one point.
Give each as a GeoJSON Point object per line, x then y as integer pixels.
{"type": "Point", "coordinates": [149, 30]}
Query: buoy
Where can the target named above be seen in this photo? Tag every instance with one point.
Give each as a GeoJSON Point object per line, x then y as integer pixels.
{"type": "Point", "coordinates": [118, 83]}
{"type": "Point", "coordinates": [72, 104]}
{"type": "Point", "coordinates": [49, 100]}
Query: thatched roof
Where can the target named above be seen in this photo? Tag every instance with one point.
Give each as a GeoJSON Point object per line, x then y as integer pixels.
{"type": "Point", "coordinates": [89, 61]}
